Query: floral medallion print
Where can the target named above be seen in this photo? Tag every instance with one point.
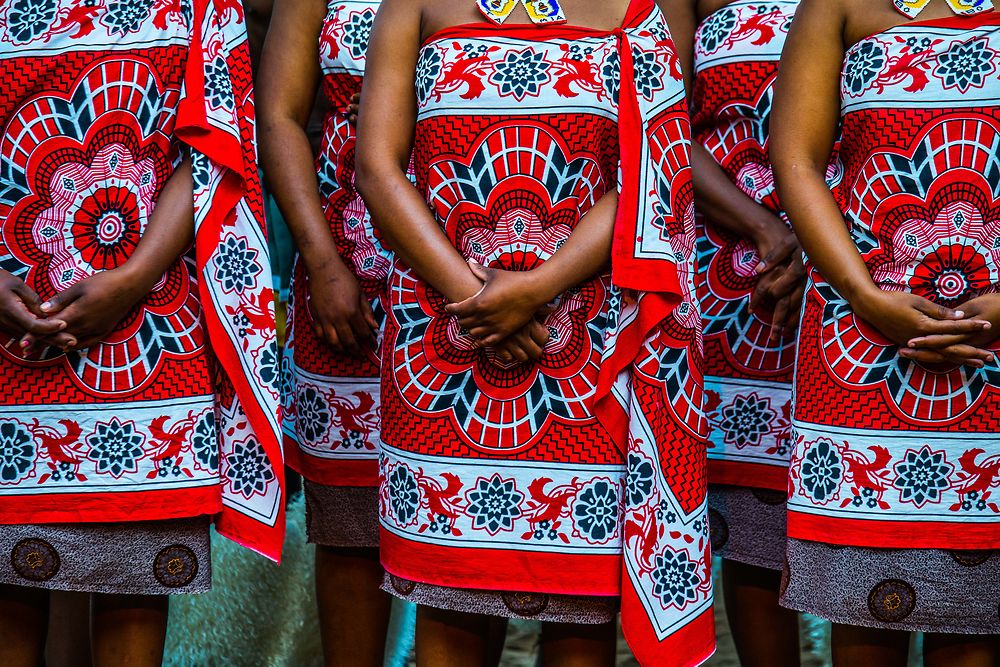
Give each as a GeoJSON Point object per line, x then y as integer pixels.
{"type": "Point", "coordinates": [494, 503]}
{"type": "Point", "coordinates": [922, 476]}
{"type": "Point", "coordinates": [27, 20]}
{"type": "Point", "coordinates": [125, 16]}
{"type": "Point", "coordinates": [404, 495]}
{"type": "Point", "coordinates": [357, 33]}
{"type": "Point", "coordinates": [116, 447]}
{"type": "Point", "coordinates": [863, 65]}
{"type": "Point", "coordinates": [822, 471]}
{"type": "Point", "coordinates": [716, 29]}
{"type": "Point", "coordinates": [205, 442]}
{"type": "Point", "coordinates": [747, 420]}
{"type": "Point", "coordinates": [429, 66]}
{"type": "Point", "coordinates": [649, 73]}
{"type": "Point", "coordinates": [611, 74]}
{"type": "Point", "coordinates": [639, 481]}
{"type": "Point", "coordinates": [312, 414]}
{"type": "Point", "coordinates": [597, 511]}
{"type": "Point", "coordinates": [17, 452]}
{"type": "Point", "coordinates": [521, 74]}
{"type": "Point", "coordinates": [247, 468]}
{"type": "Point", "coordinates": [236, 265]}
{"type": "Point", "coordinates": [675, 579]}
{"type": "Point", "coordinates": [219, 85]}
{"type": "Point", "coordinates": [966, 65]}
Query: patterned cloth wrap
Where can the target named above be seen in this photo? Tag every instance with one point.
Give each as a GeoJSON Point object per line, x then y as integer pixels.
{"type": "Point", "coordinates": [890, 452]}
{"type": "Point", "coordinates": [748, 379]}
{"type": "Point", "coordinates": [331, 419]}
{"type": "Point", "coordinates": [175, 414]}
{"type": "Point", "coordinates": [582, 473]}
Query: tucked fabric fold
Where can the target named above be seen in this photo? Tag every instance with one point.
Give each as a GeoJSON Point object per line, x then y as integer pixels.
{"type": "Point", "coordinates": [649, 392]}
{"type": "Point", "coordinates": [216, 121]}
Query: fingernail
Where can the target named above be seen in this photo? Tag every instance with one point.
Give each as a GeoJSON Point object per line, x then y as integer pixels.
{"type": "Point", "coordinates": [25, 344]}
{"type": "Point", "coordinates": [959, 313]}
{"type": "Point", "coordinates": [47, 306]}
{"type": "Point", "coordinates": [62, 325]}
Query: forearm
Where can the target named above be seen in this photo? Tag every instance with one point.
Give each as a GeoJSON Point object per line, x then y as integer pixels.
{"type": "Point", "coordinates": [291, 174]}
{"type": "Point", "coordinates": [401, 214]}
{"type": "Point", "coordinates": [724, 204]}
{"type": "Point", "coordinates": [821, 229]}
{"type": "Point", "coordinates": [168, 234]}
{"type": "Point", "coordinates": [585, 253]}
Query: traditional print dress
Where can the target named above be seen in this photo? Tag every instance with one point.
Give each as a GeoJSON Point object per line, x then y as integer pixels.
{"type": "Point", "coordinates": [534, 480]}
{"type": "Point", "coordinates": [897, 463]}
{"type": "Point", "coordinates": [174, 414]}
{"type": "Point", "coordinates": [748, 379]}
{"type": "Point", "coordinates": [331, 401]}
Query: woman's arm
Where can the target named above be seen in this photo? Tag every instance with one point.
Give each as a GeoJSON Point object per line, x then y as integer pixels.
{"type": "Point", "coordinates": [510, 299]}
{"type": "Point", "coordinates": [388, 113]}
{"type": "Point", "coordinates": [93, 307]}
{"type": "Point", "coordinates": [289, 78]}
{"type": "Point", "coordinates": [803, 127]}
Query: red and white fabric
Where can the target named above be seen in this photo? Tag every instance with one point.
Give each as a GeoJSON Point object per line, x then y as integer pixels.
{"type": "Point", "coordinates": [582, 473]}
{"type": "Point", "coordinates": [175, 414]}
{"type": "Point", "coordinates": [891, 452]}
{"type": "Point", "coordinates": [331, 401]}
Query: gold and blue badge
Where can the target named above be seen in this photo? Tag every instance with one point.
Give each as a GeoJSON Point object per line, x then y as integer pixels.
{"type": "Point", "coordinates": [539, 11]}
{"type": "Point", "coordinates": [912, 8]}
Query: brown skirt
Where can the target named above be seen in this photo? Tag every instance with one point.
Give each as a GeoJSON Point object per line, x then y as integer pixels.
{"type": "Point", "coordinates": [584, 610]}
{"type": "Point", "coordinates": [747, 525]}
{"type": "Point", "coordinates": [142, 558]}
{"type": "Point", "coordinates": [917, 590]}
{"type": "Point", "coordinates": [342, 516]}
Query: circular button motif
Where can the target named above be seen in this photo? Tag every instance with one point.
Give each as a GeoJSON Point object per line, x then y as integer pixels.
{"type": "Point", "coordinates": [402, 586]}
{"type": "Point", "coordinates": [770, 496]}
{"type": "Point", "coordinates": [971, 558]}
{"type": "Point", "coordinates": [718, 530]}
{"type": "Point", "coordinates": [526, 604]}
{"type": "Point", "coordinates": [175, 566]}
{"type": "Point", "coordinates": [892, 600]}
{"type": "Point", "coordinates": [35, 560]}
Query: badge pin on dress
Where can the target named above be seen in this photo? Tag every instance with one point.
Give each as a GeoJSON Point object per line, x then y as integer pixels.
{"type": "Point", "coordinates": [912, 8]}
{"type": "Point", "coordinates": [539, 11]}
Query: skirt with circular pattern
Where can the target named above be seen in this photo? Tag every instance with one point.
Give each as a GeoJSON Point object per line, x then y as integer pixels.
{"type": "Point", "coordinates": [585, 610]}
{"type": "Point", "coordinates": [142, 558]}
{"type": "Point", "coordinates": [341, 516]}
{"type": "Point", "coordinates": [747, 525]}
{"type": "Point", "coordinates": [917, 590]}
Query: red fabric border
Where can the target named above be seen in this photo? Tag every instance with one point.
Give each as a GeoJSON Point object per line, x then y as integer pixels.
{"type": "Point", "coordinates": [250, 533]}
{"type": "Point", "coordinates": [194, 129]}
{"type": "Point", "coordinates": [330, 473]}
{"type": "Point", "coordinates": [126, 506]}
{"type": "Point", "coordinates": [500, 569]}
{"type": "Point", "coordinates": [893, 534]}
{"type": "Point", "coordinates": [750, 475]}
{"type": "Point", "coordinates": [687, 647]}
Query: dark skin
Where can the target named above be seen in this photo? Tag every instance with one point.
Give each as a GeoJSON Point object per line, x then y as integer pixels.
{"type": "Point", "coordinates": [765, 633]}
{"type": "Point", "coordinates": [289, 80]}
{"type": "Point", "coordinates": [806, 113]}
{"type": "Point", "coordinates": [87, 312]}
{"type": "Point", "coordinates": [805, 120]}
{"type": "Point", "coordinates": [500, 307]}
{"type": "Point", "coordinates": [126, 629]}
{"type": "Point", "coordinates": [354, 611]}
{"type": "Point", "coordinates": [782, 275]}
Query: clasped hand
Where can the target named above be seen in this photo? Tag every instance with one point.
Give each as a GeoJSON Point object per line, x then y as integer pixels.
{"type": "Point", "coordinates": [506, 314]}
{"type": "Point", "coordinates": [74, 319]}
{"type": "Point", "coordinates": [931, 333]}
